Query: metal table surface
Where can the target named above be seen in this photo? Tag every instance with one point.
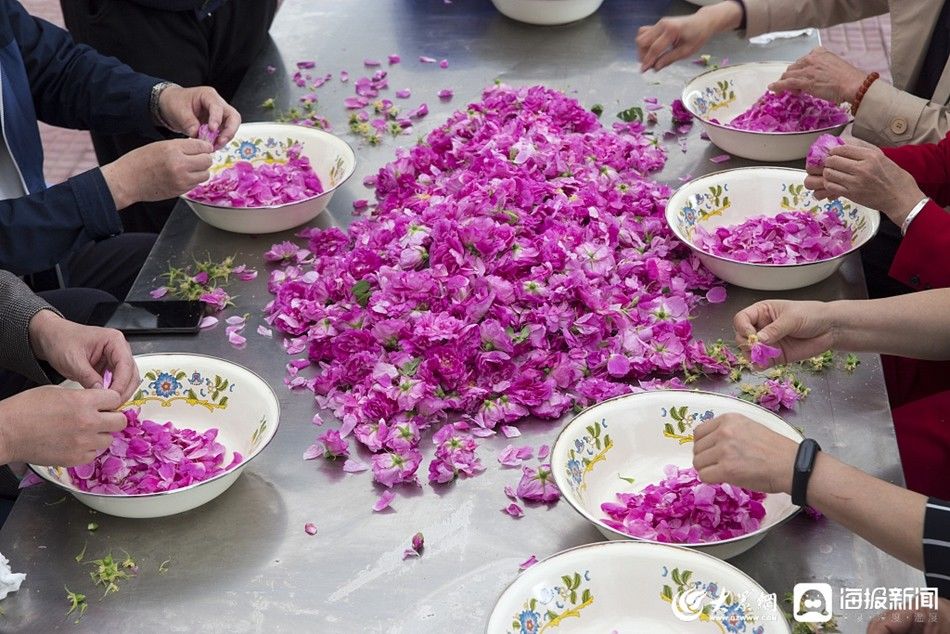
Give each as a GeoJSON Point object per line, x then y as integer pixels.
{"type": "Point", "coordinates": [243, 563]}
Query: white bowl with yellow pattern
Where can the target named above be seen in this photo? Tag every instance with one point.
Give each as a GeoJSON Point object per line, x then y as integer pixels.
{"type": "Point", "coordinates": [623, 444]}
{"type": "Point", "coordinates": [635, 587]}
{"type": "Point", "coordinates": [722, 94]}
{"type": "Point", "coordinates": [733, 196]}
{"type": "Point", "coordinates": [193, 392]}
{"type": "Point", "coordinates": [331, 157]}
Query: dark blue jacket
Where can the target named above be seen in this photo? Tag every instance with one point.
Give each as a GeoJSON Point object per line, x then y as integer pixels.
{"type": "Point", "coordinates": [45, 75]}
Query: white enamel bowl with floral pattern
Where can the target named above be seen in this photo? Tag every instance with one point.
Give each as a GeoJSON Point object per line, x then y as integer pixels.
{"type": "Point", "coordinates": [724, 93]}
{"type": "Point", "coordinates": [634, 437]}
{"type": "Point", "coordinates": [331, 157]}
{"type": "Point", "coordinates": [547, 12]}
{"type": "Point", "coordinates": [732, 196]}
{"type": "Point", "coordinates": [194, 392]}
{"type": "Point", "coordinates": [635, 587]}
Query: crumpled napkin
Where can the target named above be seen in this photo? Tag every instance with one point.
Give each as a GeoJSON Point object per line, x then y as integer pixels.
{"type": "Point", "coordinates": [768, 38]}
{"type": "Point", "coordinates": [9, 581]}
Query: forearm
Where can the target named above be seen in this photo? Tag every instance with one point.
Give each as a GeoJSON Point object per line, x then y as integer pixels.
{"type": "Point", "coordinates": [764, 16]}
{"type": "Point", "coordinates": [889, 116]}
{"type": "Point", "coordinates": [854, 499]}
{"type": "Point", "coordinates": [19, 307]}
{"type": "Point", "coordinates": [915, 325]}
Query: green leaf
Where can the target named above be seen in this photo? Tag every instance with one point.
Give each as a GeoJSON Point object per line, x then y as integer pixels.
{"type": "Point", "coordinates": [573, 596]}
{"type": "Point", "coordinates": [681, 426]}
{"type": "Point", "coordinates": [150, 375]}
{"type": "Point", "coordinates": [631, 114]}
{"type": "Point", "coordinates": [180, 375]}
{"type": "Point", "coordinates": [668, 428]}
{"type": "Point", "coordinates": [597, 109]}
{"type": "Point", "coordinates": [686, 575]}
{"type": "Point", "coordinates": [191, 394]}
{"type": "Point", "coordinates": [567, 580]}
{"type": "Point", "coordinates": [585, 597]}
{"type": "Point", "coordinates": [361, 292]}
{"type": "Point", "coordinates": [676, 576]}
{"type": "Point", "coordinates": [516, 626]}
{"type": "Point", "coordinates": [223, 401]}
{"type": "Point", "coordinates": [625, 479]}
{"type": "Point", "coordinates": [577, 580]}
{"type": "Point", "coordinates": [667, 593]}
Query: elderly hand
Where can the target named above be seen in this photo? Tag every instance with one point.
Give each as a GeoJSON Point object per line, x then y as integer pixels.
{"type": "Point", "coordinates": [673, 39]}
{"type": "Point", "coordinates": [924, 621]}
{"type": "Point", "coordinates": [800, 329]}
{"type": "Point", "coordinates": [58, 427]}
{"type": "Point", "coordinates": [157, 171]}
{"type": "Point", "coordinates": [735, 449]}
{"type": "Point", "coordinates": [184, 109]}
{"type": "Point", "coordinates": [823, 74]}
{"type": "Point", "coordinates": [83, 353]}
{"type": "Point", "coordinates": [866, 176]}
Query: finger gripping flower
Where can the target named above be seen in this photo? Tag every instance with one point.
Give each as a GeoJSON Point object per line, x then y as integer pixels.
{"type": "Point", "coordinates": [761, 354]}
{"type": "Point", "coordinates": [819, 150]}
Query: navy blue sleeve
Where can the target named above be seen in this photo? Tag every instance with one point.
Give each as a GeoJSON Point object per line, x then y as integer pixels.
{"type": "Point", "coordinates": [937, 546]}
{"type": "Point", "coordinates": [73, 86]}
{"type": "Point", "coordinates": [39, 230]}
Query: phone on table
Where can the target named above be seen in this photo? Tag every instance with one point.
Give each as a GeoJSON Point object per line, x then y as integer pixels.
{"type": "Point", "coordinates": [149, 317]}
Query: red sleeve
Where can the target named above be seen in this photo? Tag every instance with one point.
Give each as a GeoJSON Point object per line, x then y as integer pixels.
{"type": "Point", "coordinates": [923, 257]}
{"type": "Point", "coordinates": [928, 163]}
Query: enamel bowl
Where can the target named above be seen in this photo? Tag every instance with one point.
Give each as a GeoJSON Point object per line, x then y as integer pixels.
{"type": "Point", "coordinates": [332, 159]}
{"type": "Point", "coordinates": [724, 93]}
{"type": "Point", "coordinates": [635, 436]}
{"type": "Point", "coordinates": [195, 392]}
{"type": "Point", "coordinates": [635, 587]}
{"type": "Point", "coordinates": [731, 196]}
{"type": "Point", "coordinates": [547, 12]}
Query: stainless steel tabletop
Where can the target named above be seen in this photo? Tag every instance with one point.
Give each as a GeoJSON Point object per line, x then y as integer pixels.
{"type": "Point", "coordinates": [243, 562]}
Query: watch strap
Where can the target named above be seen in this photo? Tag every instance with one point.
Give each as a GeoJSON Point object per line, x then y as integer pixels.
{"type": "Point", "coordinates": [804, 465]}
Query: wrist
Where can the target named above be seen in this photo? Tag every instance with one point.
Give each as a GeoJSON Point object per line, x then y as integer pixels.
{"type": "Point", "coordinates": [161, 94]}
{"type": "Point", "coordinates": [902, 207]}
{"type": "Point", "coordinates": [6, 451]}
{"type": "Point", "coordinates": [41, 332]}
{"type": "Point", "coordinates": [118, 184]}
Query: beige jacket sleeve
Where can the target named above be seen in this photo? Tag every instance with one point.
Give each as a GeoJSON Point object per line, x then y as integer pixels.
{"type": "Point", "coordinates": [18, 305]}
{"type": "Point", "coordinates": [765, 16]}
{"type": "Point", "coordinates": [890, 116]}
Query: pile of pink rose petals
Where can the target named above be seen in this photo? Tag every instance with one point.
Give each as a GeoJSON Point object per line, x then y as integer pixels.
{"type": "Point", "coordinates": [789, 112]}
{"type": "Point", "coordinates": [516, 263]}
{"type": "Point", "coordinates": [681, 509]}
{"type": "Point", "coordinates": [262, 185]}
{"type": "Point", "coordinates": [819, 150]}
{"type": "Point", "coordinates": [790, 237]}
{"type": "Point", "coordinates": [146, 457]}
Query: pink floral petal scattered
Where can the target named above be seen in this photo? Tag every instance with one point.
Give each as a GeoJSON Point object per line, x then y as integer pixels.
{"type": "Point", "coordinates": [355, 465]}
{"type": "Point", "coordinates": [510, 431]}
{"type": "Point", "coordinates": [716, 295]}
{"type": "Point", "coordinates": [265, 332]}
{"type": "Point", "coordinates": [344, 76]}
{"type": "Point", "coordinates": [403, 93]}
{"type": "Point", "coordinates": [721, 158]}
{"type": "Point", "coordinates": [543, 452]}
{"type": "Point", "coordinates": [310, 528]}
{"type": "Point", "coordinates": [446, 94]}
{"type": "Point", "coordinates": [527, 563]}
{"type": "Point", "coordinates": [236, 340]}
{"type": "Point", "coordinates": [444, 63]}
{"type": "Point", "coordinates": [394, 59]}
{"type": "Point", "coordinates": [30, 479]}
{"type": "Point", "coordinates": [510, 492]}
{"type": "Point", "coordinates": [159, 292]}
{"type": "Point", "coordinates": [514, 510]}
{"type": "Point", "coordinates": [371, 63]}
{"type": "Point", "coordinates": [236, 320]}
{"type": "Point", "coordinates": [306, 64]}
{"type": "Point", "coordinates": [385, 499]}
{"type": "Point", "coordinates": [270, 70]}
{"type": "Point", "coordinates": [427, 60]}
{"type": "Point", "coordinates": [208, 321]}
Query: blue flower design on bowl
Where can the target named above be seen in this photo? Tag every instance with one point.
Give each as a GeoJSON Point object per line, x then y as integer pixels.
{"type": "Point", "coordinates": [247, 150]}
{"type": "Point", "coordinates": [733, 618]}
{"type": "Point", "coordinates": [165, 384]}
{"type": "Point", "coordinates": [196, 379]}
{"type": "Point", "coordinates": [529, 622]}
{"type": "Point", "coordinates": [574, 469]}
{"type": "Point", "coordinates": [837, 207]}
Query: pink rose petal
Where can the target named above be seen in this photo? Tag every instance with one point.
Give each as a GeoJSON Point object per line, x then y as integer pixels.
{"type": "Point", "coordinates": [527, 563]}
{"type": "Point", "coordinates": [265, 332]}
{"type": "Point", "coordinates": [510, 431]}
{"type": "Point", "coordinates": [159, 292]}
{"type": "Point", "coordinates": [427, 60]}
{"type": "Point", "coordinates": [514, 510]}
{"type": "Point", "coordinates": [721, 158]}
{"type": "Point", "coordinates": [355, 465]}
{"type": "Point", "coordinates": [310, 528]}
{"type": "Point", "coordinates": [385, 499]}
{"type": "Point", "coordinates": [716, 295]}
{"type": "Point", "coordinates": [208, 321]}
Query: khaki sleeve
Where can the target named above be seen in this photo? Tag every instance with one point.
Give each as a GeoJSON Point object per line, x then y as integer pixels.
{"type": "Point", "coordinates": [765, 16]}
{"type": "Point", "coordinates": [18, 305]}
{"type": "Point", "coordinates": [889, 116]}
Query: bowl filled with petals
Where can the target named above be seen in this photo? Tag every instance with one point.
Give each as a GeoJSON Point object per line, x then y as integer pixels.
{"type": "Point", "coordinates": [760, 228]}
{"type": "Point", "coordinates": [625, 465]}
{"type": "Point", "coordinates": [272, 177]}
{"type": "Point", "coordinates": [194, 424]}
{"type": "Point", "coordinates": [739, 113]}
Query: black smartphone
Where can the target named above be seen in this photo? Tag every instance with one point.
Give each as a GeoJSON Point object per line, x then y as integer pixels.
{"type": "Point", "coordinates": [149, 317]}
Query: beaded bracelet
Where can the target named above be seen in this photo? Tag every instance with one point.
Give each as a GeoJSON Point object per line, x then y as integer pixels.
{"type": "Point", "coordinates": [870, 79]}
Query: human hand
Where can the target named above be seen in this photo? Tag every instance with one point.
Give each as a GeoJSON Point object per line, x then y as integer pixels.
{"type": "Point", "coordinates": [157, 171]}
{"type": "Point", "coordinates": [823, 74]}
{"type": "Point", "coordinates": [923, 621]}
{"type": "Point", "coordinates": [735, 449]}
{"type": "Point", "coordinates": [672, 39]}
{"type": "Point", "coordinates": [863, 174]}
{"type": "Point", "coordinates": [57, 426]}
{"type": "Point", "coordinates": [184, 109]}
{"type": "Point", "coordinates": [83, 353]}
{"type": "Point", "coordinates": [800, 330]}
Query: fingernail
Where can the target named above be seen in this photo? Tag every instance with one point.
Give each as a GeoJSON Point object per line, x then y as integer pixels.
{"type": "Point", "coordinates": [97, 385]}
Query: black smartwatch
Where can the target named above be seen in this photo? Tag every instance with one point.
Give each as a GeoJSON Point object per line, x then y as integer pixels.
{"type": "Point", "coordinates": [804, 465]}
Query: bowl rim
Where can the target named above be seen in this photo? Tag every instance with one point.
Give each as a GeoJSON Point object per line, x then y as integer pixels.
{"type": "Point", "coordinates": [38, 469]}
{"type": "Point", "coordinates": [723, 126]}
{"type": "Point", "coordinates": [600, 525]}
{"type": "Point", "coordinates": [876, 219]}
{"type": "Point", "coordinates": [636, 544]}
{"type": "Point", "coordinates": [259, 124]}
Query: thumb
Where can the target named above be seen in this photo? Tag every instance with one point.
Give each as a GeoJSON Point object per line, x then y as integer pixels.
{"type": "Point", "coordinates": [83, 373]}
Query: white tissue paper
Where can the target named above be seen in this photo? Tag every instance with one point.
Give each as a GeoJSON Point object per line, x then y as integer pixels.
{"type": "Point", "coordinates": [9, 581]}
